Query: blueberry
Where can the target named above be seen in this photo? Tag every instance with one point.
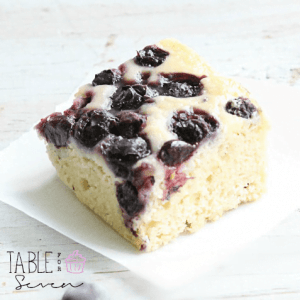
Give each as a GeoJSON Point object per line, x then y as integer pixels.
{"type": "Point", "coordinates": [189, 131]}
{"type": "Point", "coordinates": [122, 153]}
{"type": "Point", "coordinates": [241, 107]}
{"type": "Point", "coordinates": [109, 77]}
{"type": "Point", "coordinates": [193, 127]}
{"type": "Point", "coordinates": [175, 152]}
{"type": "Point", "coordinates": [180, 85]}
{"type": "Point", "coordinates": [93, 126]}
{"type": "Point", "coordinates": [129, 124]}
{"type": "Point", "coordinates": [127, 195]}
{"type": "Point", "coordinates": [129, 97]}
{"type": "Point", "coordinates": [134, 193]}
{"type": "Point", "coordinates": [151, 56]}
{"type": "Point", "coordinates": [56, 128]}
{"type": "Point", "coordinates": [125, 150]}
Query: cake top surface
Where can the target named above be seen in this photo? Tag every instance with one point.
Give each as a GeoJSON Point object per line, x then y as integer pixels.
{"type": "Point", "coordinates": [167, 92]}
{"type": "Point", "coordinates": [196, 86]}
{"type": "Point", "coordinates": [165, 101]}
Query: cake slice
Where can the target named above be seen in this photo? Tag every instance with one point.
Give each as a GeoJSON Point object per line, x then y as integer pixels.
{"type": "Point", "coordinates": [160, 146]}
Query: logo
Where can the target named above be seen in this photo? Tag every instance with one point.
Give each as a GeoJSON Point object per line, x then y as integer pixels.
{"type": "Point", "coordinates": [37, 263]}
{"type": "Point", "coordinates": [75, 262]}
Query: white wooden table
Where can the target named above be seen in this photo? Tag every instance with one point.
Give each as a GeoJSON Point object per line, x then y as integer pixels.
{"type": "Point", "coordinates": [47, 48]}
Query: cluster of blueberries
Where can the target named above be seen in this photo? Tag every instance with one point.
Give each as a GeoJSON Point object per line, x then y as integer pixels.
{"type": "Point", "coordinates": [118, 133]}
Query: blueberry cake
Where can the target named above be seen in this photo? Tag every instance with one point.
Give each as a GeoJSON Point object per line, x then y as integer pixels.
{"type": "Point", "coordinates": [160, 146]}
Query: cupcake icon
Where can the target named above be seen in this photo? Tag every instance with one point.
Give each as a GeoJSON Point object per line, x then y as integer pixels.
{"type": "Point", "coordinates": [75, 262]}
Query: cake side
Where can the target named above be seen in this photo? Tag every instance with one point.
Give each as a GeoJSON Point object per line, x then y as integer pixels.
{"type": "Point", "coordinates": [93, 184]}
{"type": "Point", "coordinates": [231, 172]}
